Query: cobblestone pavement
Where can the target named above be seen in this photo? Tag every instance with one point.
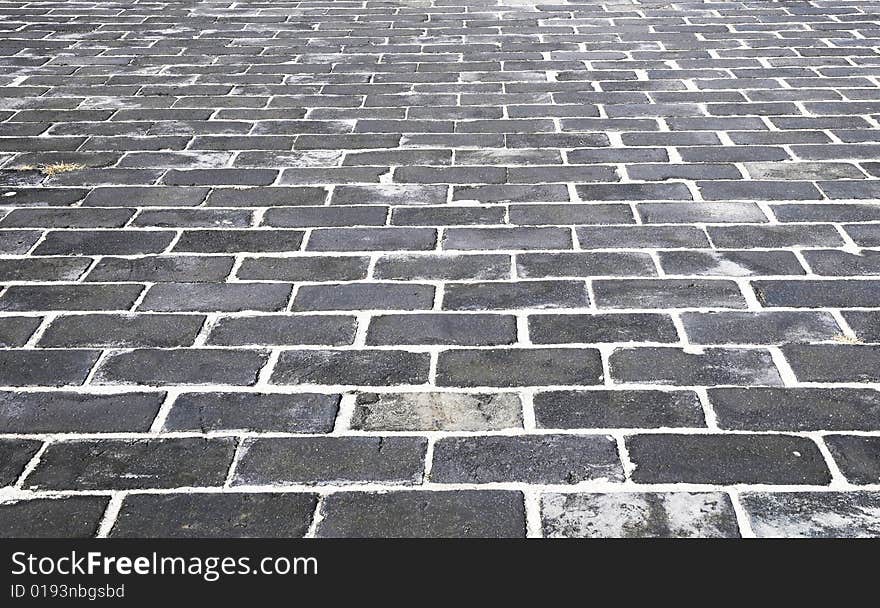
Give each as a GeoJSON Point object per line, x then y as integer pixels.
{"type": "Point", "coordinates": [440, 267]}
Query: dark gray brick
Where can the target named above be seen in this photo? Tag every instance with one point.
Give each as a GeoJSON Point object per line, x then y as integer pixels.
{"type": "Point", "coordinates": [790, 235]}
{"type": "Point", "coordinates": [726, 459]}
{"type": "Point", "coordinates": [331, 460]}
{"type": "Point", "coordinates": [519, 367]}
{"type": "Point", "coordinates": [637, 237]}
{"type": "Point", "coordinates": [547, 265]}
{"type": "Point", "coordinates": [161, 269]}
{"type": "Point", "coordinates": [667, 293]}
{"type": "Point", "coordinates": [436, 412]}
{"type": "Point", "coordinates": [625, 327]}
{"type": "Point", "coordinates": [267, 412]}
{"type": "Point", "coordinates": [462, 329]}
{"type": "Point", "coordinates": [104, 242]}
{"type": "Point", "coordinates": [665, 365]}
{"type": "Point", "coordinates": [834, 362]}
{"type": "Point", "coordinates": [858, 457]}
{"type": "Point", "coordinates": [442, 266]}
{"type": "Point", "coordinates": [69, 517]}
{"type": "Point", "coordinates": [234, 241]}
{"type": "Point", "coordinates": [594, 409]}
{"type": "Point", "coordinates": [363, 296]}
{"type": "Point", "coordinates": [459, 514]}
{"type": "Point", "coordinates": [507, 238]}
{"type": "Point", "coordinates": [69, 412]}
{"type": "Point", "coordinates": [43, 269]}
{"type": "Point", "coordinates": [226, 515]}
{"type": "Point", "coordinates": [228, 297]}
{"type": "Point", "coordinates": [69, 297]}
{"type": "Point", "coordinates": [304, 268]}
{"type": "Point", "coordinates": [366, 367]}
{"type": "Point", "coordinates": [595, 213]}
{"type": "Point", "coordinates": [160, 331]}
{"type": "Point", "coordinates": [181, 366]}
{"type": "Point", "coordinates": [372, 239]}
{"type": "Point", "coordinates": [15, 331]}
{"type": "Point", "coordinates": [511, 295]}
{"type": "Point", "coordinates": [865, 324]}
{"type": "Point", "coordinates": [304, 217]}
{"type": "Point", "coordinates": [730, 263]}
{"type": "Point", "coordinates": [759, 327]}
{"type": "Point", "coordinates": [45, 367]}
{"type": "Point", "coordinates": [121, 464]}
{"type": "Point", "coordinates": [281, 330]}
{"type": "Point", "coordinates": [817, 294]}
{"type": "Point", "coordinates": [551, 459]}
{"type": "Point", "coordinates": [266, 197]}
{"type": "Point", "coordinates": [15, 454]}
{"type": "Point", "coordinates": [796, 409]}
{"type": "Point", "coordinates": [836, 263]}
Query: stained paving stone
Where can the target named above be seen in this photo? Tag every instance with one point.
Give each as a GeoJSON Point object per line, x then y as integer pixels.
{"type": "Point", "coordinates": [226, 515]}
{"type": "Point", "coordinates": [544, 459]}
{"type": "Point", "coordinates": [813, 514]}
{"type": "Point", "coordinates": [639, 515]}
{"type": "Point", "coordinates": [458, 514]}
{"type": "Point", "coordinates": [591, 409]}
{"type": "Point", "coordinates": [436, 412]}
{"type": "Point", "coordinates": [759, 327]}
{"type": "Point", "coordinates": [331, 460]}
{"type": "Point", "coordinates": [354, 221]}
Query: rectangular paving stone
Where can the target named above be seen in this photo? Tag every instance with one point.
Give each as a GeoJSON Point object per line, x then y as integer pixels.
{"type": "Point", "coordinates": [227, 297]}
{"type": "Point", "coordinates": [857, 457]}
{"type": "Point", "coordinates": [160, 331]}
{"type": "Point", "coordinates": [46, 367]}
{"type": "Point", "coordinates": [834, 362]}
{"type": "Point", "coordinates": [235, 241]}
{"type": "Point", "coordinates": [15, 454]}
{"type": "Point", "coordinates": [449, 266]}
{"type": "Point", "coordinates": [759, 327]}
{"type": "Point", "coordinates": [67, 517]}
{"type": "Point", "coordinates": [283, 329]}
{"type": "Point", "coordinates": [423, 514]}
{"type": "Point", "coordinates": [730, 263]}
{"type": "Point", "coordinates": [365, 367]}
{"type": "Point", "coordinates": [865, 324]}
{"type": "Point", "coordinates": [69, 297]}
{"type": "Point", "coordinates": [545, 459]}
{"type": "Point", "coordinates": [303, 268]}
{"type": "Point", "coordinates": [726, 459]}
{"type": "Point", "coordinates": [518, 367]}
{"type": "Point", "coordinates": [372, 239]}
{"type": "Point", "coordinates": [331, 460]}
{"type": "Point", "coordinates": [512, 295]}
{"type": "Point", "coordinates": [624, 327]}
{"type": "Point", "coordinates": [461, 329]}
{"type": "Point", "coordinates": [667, 293]}
{"type": "Point", "coordinates": [71, 412]}
{"type": "Point", "coordinates": [15, 331]}
{"type": "Point", "coordinates": [675, 366]}
{"type": "Point", "coordinates": [592, 409]}
{"type": "Point", "coordinates": [436, 412]}
{"type": "Point", "coordinates": [506, 238]}
{"type": "Point", "coordinates": [157, 367]}
{"type": "Point", "coordinates": [214, 515]}
{"type": "Point", "coordinates": [121, 464]}
{"type": "Point", "coordinates": [104, 242]}
{"type": "Point", "coordinates": [363, 296]}
{"type": "Point", "coordinates": [813, 514]}
{"type": "Point", "coordinates": [161, 269]}
{"type": "Point", "coordinates": [796, 408]}
{"type": "Point", "coordinates": [577, 264]}
{"type": "Point", "coordinates": [639, 515]}
{"type": "Point", "coordinates": [267, 412]}
{"type": "Point", "coordinates": [816, 293]}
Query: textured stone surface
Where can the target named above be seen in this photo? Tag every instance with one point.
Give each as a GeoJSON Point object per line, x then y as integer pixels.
{"type": "Point", "coordinates": [367, 244]}
{"type": "Point", "coordinates": [627, 515]}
